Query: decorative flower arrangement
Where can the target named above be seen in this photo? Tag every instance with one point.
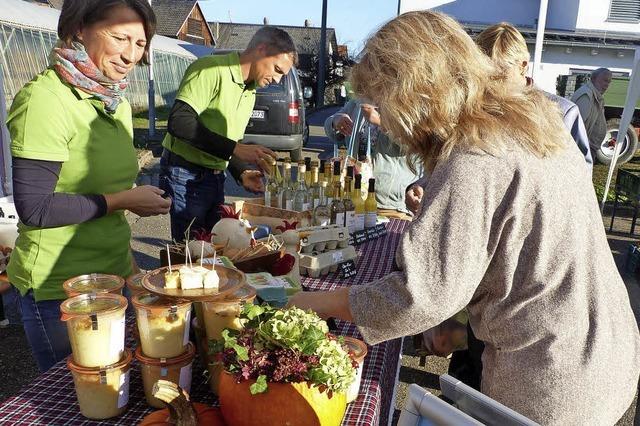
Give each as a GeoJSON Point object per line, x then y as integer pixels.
{"type": "Point", "coordinates": [285, 346]}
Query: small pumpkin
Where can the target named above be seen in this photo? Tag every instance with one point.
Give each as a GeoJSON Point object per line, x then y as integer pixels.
{"type": "Point", "coordinates": [207, 415]}
{"type": "Point", "coordinates": [282, 404]}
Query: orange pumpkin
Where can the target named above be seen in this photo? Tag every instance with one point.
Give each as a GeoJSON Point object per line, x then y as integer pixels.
{"type": "Point", "coordinates": [282, 404]}
{"type": "Point", "coordinates": [207, 416]}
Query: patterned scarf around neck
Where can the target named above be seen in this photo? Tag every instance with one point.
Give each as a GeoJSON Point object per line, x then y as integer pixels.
{"type": "Point", "coordinates": [75, 67]}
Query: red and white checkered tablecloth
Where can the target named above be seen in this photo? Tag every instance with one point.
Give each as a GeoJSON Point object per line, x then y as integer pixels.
{"type": "Point", "coordinates": [50, 399]}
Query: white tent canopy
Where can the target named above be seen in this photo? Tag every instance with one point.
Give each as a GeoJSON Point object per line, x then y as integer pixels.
{"type": "Point", "coordinates": [30, 15]}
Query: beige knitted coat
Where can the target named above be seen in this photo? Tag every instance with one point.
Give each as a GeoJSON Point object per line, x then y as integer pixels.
{"type": "Point", "coordinates": [520, 240]}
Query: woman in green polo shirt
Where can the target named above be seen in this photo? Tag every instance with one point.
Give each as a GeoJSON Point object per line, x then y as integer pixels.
{"type": "Point", "coordinates": [75, 165]}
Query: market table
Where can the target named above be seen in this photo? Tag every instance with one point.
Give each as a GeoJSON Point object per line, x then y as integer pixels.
{"type": "Point", "coordinates": [50, 399]}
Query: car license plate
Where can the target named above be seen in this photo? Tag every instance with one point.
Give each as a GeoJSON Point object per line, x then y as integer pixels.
{"type": "Point", "coordinates": [259, 114]}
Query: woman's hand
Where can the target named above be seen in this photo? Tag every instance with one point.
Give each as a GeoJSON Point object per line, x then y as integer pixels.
{"type": "Point", "coordinates": [413, 198]}
{"type": "Point", "coordinates": [371, 114]}
{"type": "Point", "coordinates": [143, 200]}
{"type": "Point", "coordinates": [327, 304]}
{"type": "Point", "coordinates": [342, 124]}
{"type": "Point", "coordinates": [251, 180]}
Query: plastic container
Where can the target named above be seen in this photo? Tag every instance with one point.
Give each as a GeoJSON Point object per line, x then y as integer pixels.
{"type": "Point", "coordinates": [320, 264]}
{"type": "Point", "coordinates": [102, 392]}
{"type": "Point", "coordinates": [93, 283]}
{"type": "Point", "coordinates": [359, 350]}
{"type": "Point", "coordinates": [225, 313]}
{"type": "Point", "coordinates": [95, 323]}
{"type": "Point", "coordinates": [163, 325]}
{"type": "Point", "coordinates": [134, 284]}
{"type": "Point", "coordinates": [176, 370]}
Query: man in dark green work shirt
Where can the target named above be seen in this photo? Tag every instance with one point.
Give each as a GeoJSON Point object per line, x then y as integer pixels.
{"type": "Point", "coordinates": [207, 122]}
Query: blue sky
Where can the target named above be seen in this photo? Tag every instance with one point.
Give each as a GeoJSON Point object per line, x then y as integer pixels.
{"type": "Point", "coordinates": [353, 20]}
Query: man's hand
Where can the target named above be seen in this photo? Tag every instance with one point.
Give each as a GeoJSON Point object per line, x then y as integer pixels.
{"type": "Point", "coordinates": [413, 198]}
{"type": "Point", "coordinates": [342, 124]}
{"type": "Point", "coordinates": [251, 180]}
{"type": "Point", "coordinates": [253, 154]}
{"type": "Point", "coordinates": [371, 114]}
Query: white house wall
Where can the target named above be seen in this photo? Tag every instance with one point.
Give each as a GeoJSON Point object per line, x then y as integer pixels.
{"type": "Point", "coordinates": [556, 61]}
{"type": "Point", "coordinates": [561, 15]}
{"type": "Point", "coordinates": [593, 16]}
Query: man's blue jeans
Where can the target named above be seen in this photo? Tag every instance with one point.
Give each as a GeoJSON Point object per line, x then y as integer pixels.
{"type": "Point", "coordinates": [196, 192]}
{"type": "Point", "coordinates": [46, 333]}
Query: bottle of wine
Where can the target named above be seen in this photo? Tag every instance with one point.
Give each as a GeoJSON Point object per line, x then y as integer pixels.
{"type": "Point", "coordinates": [371, 206]}
{"type": "Point", "coordinates": [358, 203]}
{"type": "Point", "coordinates": [307, 175]}
{"type": "Point", "coordinates": [271, 187]}
{"type": "Point", "coordinates": [327, 176]}
{"type": "Point", "coordinates": [286, 191]}
{"type": "Point", "coordinates": [321, 213]}
{"type": "Point", "coordinates": [349, 207]}
{"type": "Point", "coordinates": [330, 182]}
{"type": "Point", "coordinates": [315, 185]}
{"type": "Point", "coordinates": [301, 193]}
{"type": "Point", "coordinates": [337, 206]}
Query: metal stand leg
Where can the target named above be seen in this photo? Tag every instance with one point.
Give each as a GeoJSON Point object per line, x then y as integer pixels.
{"type": "Point", "coordinates": [635, 217]}
{"type": "Point", "coordinates": [613, 213]}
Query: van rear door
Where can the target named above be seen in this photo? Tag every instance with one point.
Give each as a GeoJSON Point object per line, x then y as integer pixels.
{"type": "Point", "coordinates": [270, 113]}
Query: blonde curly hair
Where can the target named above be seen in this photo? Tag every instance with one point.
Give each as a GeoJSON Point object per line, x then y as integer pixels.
{"type": "Point", "coordinates": [438, 92]}
{"type": "Point", "coordinates": [504, 44]}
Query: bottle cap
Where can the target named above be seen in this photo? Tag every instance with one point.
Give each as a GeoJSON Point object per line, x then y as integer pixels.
{"type": "Point", "coordinates": [336, 168]}
{"type": "Point", "coordinates": [350, 171]}
{"type": "Point", "coordinates": [372, 185]}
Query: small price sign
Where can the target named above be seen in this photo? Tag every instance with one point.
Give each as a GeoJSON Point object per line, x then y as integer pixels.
{"type": "Point", "coordinates": [372, 233]}
{"type": "Point", "coordinates": [348, 269]}
{"type": "Point", "coordinates": [382, 229]}
{"type": "Point", "coordinates": [360, 237]}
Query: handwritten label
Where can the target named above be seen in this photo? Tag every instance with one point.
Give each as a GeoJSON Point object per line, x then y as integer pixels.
{"type": "Point", "coordinates": [116, 344]}
{"type": "Point", "coordinates": [348, 269]}
{"type": "Point", "coordinates": [123, 390]}
{"type": "Point", "coordinates": [359, 237]}
{"type": "Point", "coordinates": [185, 378]}
{"type": "Point", "coordinates": [187, 325]}
{"type": "Point", "coordinates": [372, 233]}
{"type": "Point", "coordinates": [382, 229]}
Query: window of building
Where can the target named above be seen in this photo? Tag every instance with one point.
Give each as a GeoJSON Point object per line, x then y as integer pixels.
{"type": "Point", "coordinates": [627, 11]}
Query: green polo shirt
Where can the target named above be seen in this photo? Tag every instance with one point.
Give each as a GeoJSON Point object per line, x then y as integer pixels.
{"type": "Point", "coordinates": [50, 120]}
{"type": "Point", "coordinates": [213, 86]}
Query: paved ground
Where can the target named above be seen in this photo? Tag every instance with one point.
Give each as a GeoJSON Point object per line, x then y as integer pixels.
{"type": "Point", "coordinates": [150, 234]}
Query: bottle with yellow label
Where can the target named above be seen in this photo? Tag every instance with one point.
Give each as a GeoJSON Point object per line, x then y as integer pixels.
{"type": "Point", "coordinates": [349, 208]}
{"type": "Point", "coordinates": [371, 206]}
{"type": "Point", "coordinates": [358, 203]}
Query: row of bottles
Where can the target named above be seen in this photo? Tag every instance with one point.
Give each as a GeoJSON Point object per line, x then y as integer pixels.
{"type": "Point", "coordinates": [318, 187]}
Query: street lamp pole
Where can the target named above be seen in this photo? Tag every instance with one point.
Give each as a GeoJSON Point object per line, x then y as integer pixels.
{"type": "Point", "coordinates": [322, 63]}
{"type": "Point", "coordinates": [152, 94]}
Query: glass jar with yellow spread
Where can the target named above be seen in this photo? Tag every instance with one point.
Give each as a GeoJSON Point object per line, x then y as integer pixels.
{"type": "Point", "coordinates": [359, 350]}
{"type": "Point", "coordinates": [102, 392]}
{"type": "Point", "coordinates": [163, 325]}
{"type": "Point", "coordinates": [93, 283]}
{"type": "Point", "coordinates": [224, 313]}
{"type": "Point", "coordinates": [96, 326]}
{"type": "Point", "coordinates": [176, 370]}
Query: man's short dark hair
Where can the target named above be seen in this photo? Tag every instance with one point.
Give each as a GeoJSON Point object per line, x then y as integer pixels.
{"type": "Point", "coordinates": [276, 40]}
{"type": "Point", "coordinates": [77, 14]}
{"type": "Point", "coordinates": [597, 73]}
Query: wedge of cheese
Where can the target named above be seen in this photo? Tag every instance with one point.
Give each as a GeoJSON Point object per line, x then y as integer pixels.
{"type": "Point", "coordinates": [172, 279]}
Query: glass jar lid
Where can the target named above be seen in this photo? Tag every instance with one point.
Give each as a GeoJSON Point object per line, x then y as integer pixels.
{"type": "Point", "coordinates": [92, 304]}
{"type": "Point", "coordinates": [94, 283]}
{"type": "Point", "coordinates": [154, 302]}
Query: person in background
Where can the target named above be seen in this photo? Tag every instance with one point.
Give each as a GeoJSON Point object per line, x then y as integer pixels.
{"type": "Point", "coordinates": [506, 46]}
{"type": "Point", "coordinates": [494, 234]}
{"type": "Point", "coordinates": [590, 100]}
{"type": "Point", "coordinates": [206, 125]}
{"type": "Point", "coordinates": [74, 164]}
{"type": "Point", "coordinates": [390, 164]}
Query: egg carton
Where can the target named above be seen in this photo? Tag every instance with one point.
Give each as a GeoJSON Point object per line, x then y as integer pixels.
{"type": "Point", "coordinates": [320, 264]}
{"type": "Point", "coordinates": [318, 239]}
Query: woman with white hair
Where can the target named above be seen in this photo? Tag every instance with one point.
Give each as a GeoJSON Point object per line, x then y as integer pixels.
{"type": "Point", "coordinates": [494, 233]}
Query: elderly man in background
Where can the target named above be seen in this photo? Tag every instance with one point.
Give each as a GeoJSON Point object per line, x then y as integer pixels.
{"type": "Point", "coordinates": [590, 101]}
